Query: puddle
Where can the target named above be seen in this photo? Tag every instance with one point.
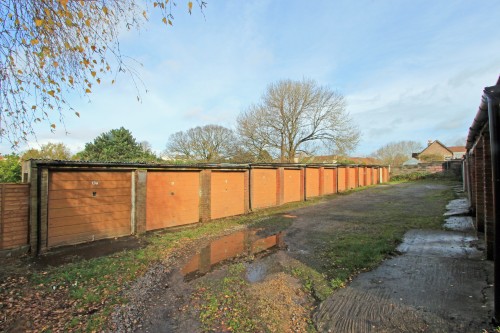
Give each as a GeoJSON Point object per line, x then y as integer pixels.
{"type": "Point", "coordinates": [457, 207]}
{"type": "Point", "coordinates": [245, 243]}
{"type": "Point", "coordinates": [459, 223]}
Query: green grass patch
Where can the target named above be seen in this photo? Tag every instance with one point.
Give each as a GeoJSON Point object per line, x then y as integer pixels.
{"type": "Point", "coordinates": [314, 283]}
{"type": "Point", "coordinates": [225, 305]}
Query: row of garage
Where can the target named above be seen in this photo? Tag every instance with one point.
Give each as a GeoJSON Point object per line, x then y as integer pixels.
{"type": "Point", "coordinates": [86, 202]}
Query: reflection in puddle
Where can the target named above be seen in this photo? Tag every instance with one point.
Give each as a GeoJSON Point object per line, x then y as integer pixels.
{"type": "Point", "coordinates": [244, 243]}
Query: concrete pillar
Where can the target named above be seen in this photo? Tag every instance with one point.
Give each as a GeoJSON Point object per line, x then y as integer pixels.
{"type": "Point", "coordinates": [205, 195]}
{"type": "Point", "coordinates": [139, 201]}
{"type": "Point", "coordinates": [280, 186]}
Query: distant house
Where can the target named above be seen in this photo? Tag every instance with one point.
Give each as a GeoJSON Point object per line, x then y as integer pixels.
{"type": "Point", "coordinates": [437, 151]}
{"type": "Point", "coordinates": [458, 152]}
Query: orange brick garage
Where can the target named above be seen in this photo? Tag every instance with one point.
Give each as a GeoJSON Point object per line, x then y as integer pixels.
{"type": "Point", "coordinates": [87, 206]}
{"type": "Point", "coordinates": [172, 198]}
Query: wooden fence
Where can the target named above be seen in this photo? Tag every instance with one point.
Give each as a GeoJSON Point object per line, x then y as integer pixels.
{"type": "Point", "coordinates": [14, 215]}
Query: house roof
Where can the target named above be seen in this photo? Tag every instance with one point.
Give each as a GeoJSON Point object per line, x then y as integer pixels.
{"type": "Point", "coordinates": [364, 160]}
{"type": "Point", "coordinates": [439, 143]}
{"type": "Point", "coordinates": [457, 149]}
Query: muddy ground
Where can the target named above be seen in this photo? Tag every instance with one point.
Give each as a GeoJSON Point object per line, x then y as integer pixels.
{"type": "Point", "coordinates": [437, 282]}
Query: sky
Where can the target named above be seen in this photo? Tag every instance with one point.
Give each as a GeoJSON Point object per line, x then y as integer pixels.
{"type": "Point", "coordinates": [410, 70]}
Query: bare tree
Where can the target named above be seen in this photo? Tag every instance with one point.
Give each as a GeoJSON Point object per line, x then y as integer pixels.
{"type": "Point", "coordinates": [293, 114]}
{"type": "Point", "coordinates": [210, 143]}
{"type": "Point", "coordinates": [49, 48]}
{"type": "Point", "coordinates": [396, 153]}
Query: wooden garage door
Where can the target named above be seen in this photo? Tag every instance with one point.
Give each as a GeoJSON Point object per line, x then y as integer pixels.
{"type": "Point", "coordinates": [369, 176]}
{"type": "Point", "coordinates": [86, 206]}
{"type": "Point", "coordinates": [172, 199]}
{"type": "Point", "coordinates": [375, 173]}
{"type": "Point", "coordinates": [351, 178]}
{"type": "Point", "coordinates": [263, 188]}
{"type": "Point", "coordinates": [291, 186]}
{"type": "Point", "coordinates": [328, 181]}
{"type": "Point", "coordinates": [312, 182]}
{"type": "Point", "coordinates": [361, 176]}
{"type": "Point", "coordinates": [342, 179]}
{"type": "Point", "coordinates": [227, 194]}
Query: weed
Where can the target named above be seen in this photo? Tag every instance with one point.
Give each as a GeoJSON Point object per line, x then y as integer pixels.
{"type": "Point", "coordinates": [225, 305]}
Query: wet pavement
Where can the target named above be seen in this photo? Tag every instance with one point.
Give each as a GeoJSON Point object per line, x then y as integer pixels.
{"type": "Point", "coordinates": [440, 283]}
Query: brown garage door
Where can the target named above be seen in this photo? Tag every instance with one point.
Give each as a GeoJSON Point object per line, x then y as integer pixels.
{"type": "Point", "coordinates": [361, 176]}
{"type": "Point", "coordinates": [227, 194]}
{"type": "Point", "coordinates": [312, 182]}
{"type": "Point", "coordinates": [291, 185]}
{"type": "Point", "coordinates": [351, 178]}
{"type": "Point", "coordinates": [369, 176]}
{"type": "Point", "coordinates": [328, 181]}
{"type": "Point", "coordinates": [86, 206]}
{"type": "Point", "coordinates": [263, 188]}
{"type": "Point", "coordinates": [172, 199]}
{"type": "Point", "coordinates": [342, 179]}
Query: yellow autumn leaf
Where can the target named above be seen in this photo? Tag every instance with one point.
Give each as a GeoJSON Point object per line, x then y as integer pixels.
{"type": "Point", "coordinates": [86, 39]}
{"type": "Point", "coordinates": [56, 64]}
{"type": "Point", "coordinates": [93, 73]}
{"type": "Point", "coordinates": [64, 2]}
{"type": "Point", "coordinates": [53, 125]}
{"type": "Point", "coordinates": [80, 14]}
{"type": "Point", "coordinates": [34, 41]}
{"type": "Point", "coordinates": [33, 107]}
{"type": "Point", "coordinates": [105, 10]}
{"type": "Point", "coordinates": [71, 80]}
{"type": "Point", "coordinates": [87, 22]}
{"type": "Point", "coordinates": [77, 114]}
{"type": "Point", "coordinates": [51, 92]}
{"type": "Point", "coordinates": [19, 71]}
{"type": "Point", "coordinates": [164, 20]}
{"type": "Point", "coordinates": [88, 91]}
{"type": "Point", "coordinates": [38, 22]}
{"type": "Point", "coordinates": [190, 6]}
{"type": "Point", "coordinates": [155, 4]}
{"type": "Point", "coordinates": [145, 15]}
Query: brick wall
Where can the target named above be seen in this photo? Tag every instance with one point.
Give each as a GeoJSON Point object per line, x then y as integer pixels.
{"type": "Point", "coordinates": [479, 185]}
{"type": "Point", "coordinates": [489, 222]}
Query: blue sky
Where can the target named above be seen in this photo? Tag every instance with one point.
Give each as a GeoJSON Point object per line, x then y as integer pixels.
{"type": "Point", "coordinates": [410, 70]}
